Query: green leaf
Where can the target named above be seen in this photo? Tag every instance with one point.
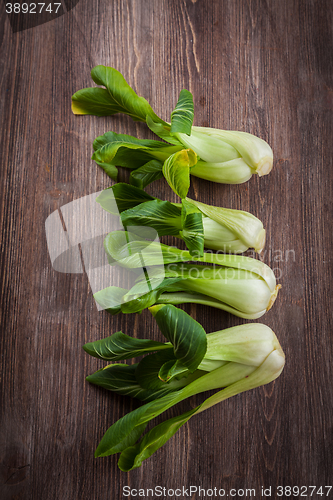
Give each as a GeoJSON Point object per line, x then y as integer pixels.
{"type": "Point", "coordinates": [128, 151]}
{"type": "Point", "coordinates": [193, 235]}
{"type": "Point", "coordinates": [159, 279]}
{"type": "Point", "coordinates": [112, 138]}
{"type": "Point", "coordinates": [193, 231]}
{"type": "Point", "coordinates": [121, 378]}
{"type": "Point", "coordinates": [126, 430]}
{"type": "Point", "coordinates": [129, 250]}
{"type": "Point", "coordinates": [187, 209]}
{"type": "Point", "coordinates": [93, 101]}
{"type": "Point", "coordinates": [108, 201]}
{"type": "Point", "coordinates": [118, 97]}
{"type": "Point", "coordinates": [109, 169]}
{"type": "Point", "coordinates": [176, 170]}
{"type": "Point", "coordinates": [182, 115]}
{"type": "Point", "coordinates": [163, 216]}
{"type": "Point", "coordinates": [136, 303]}
{"type": "Point", "coordinates": [120, 346]}
{"type": "Point", "coordinates": [147, 290]}
{"type": "Point", "coordinates": [133, 456]}
{"type": "Point", "coordinates": [172, 369]}
{"type": "Point", "coordinates": [124, 98]}
{"type": "Point", "coordinates": [120, 197]}
{"type": "Point", "coordinates": [148, 173]}
{"type": "Point", "coordinates": [121, 437]}
{"type": "Point", "coordinates": [148, 369]}
{"type": "Point", "coordinates": [113, 149]}
{"type": "Point", "coordinates": [110, 298]}
{"type": "Point", "coordinates": [186, 335]}
{"type": "Point", "coordinates": [163, 132]}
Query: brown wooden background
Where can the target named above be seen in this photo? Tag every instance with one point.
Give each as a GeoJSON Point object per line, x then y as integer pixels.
{"type": "Point", "coordinates": [259, 66]}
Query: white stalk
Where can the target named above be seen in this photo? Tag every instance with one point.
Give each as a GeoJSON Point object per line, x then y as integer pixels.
{"type": "Point", "coordinates": [247, 153]}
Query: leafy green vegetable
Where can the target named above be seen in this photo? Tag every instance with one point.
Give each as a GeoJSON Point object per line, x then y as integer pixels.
{"type": "Point", "coordinates": [218, 150]}
{"type": "Point", "coordinates": [229, 157]}
{"type": "Point", "coordinates": [240, 285]}
{"type": "Point", "coordinates": [182, 355]}
{"type": "Point", "coordinates": [231, 230]}
{"type": "Point", "coordinates": [199, 225]}
{"type": "Point", "coordinates": [236, 359]}
{"type": "Point", "coordinates": [118, 97]}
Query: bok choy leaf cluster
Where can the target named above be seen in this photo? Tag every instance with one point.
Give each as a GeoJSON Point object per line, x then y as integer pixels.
{"type": "Point", "coordinates": [241, 285]}
{"type": "Point", "coordinates": [190, 362]}
{"type": "Point", "coordinates": [198, 224]}
{"type": "Point", "coordinates": [229, 157]}
{"type": "Point", "coordinates": [233, 360]}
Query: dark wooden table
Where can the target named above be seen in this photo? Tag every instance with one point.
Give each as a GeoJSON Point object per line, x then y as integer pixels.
{"type": "Point", "coordinates": [260, 66]}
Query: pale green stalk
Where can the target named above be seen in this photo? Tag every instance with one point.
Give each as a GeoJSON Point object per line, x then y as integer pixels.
{"type": "Point", "coordinates": [227, 156]}
{"type": "Point", "coordinates": [240, 285]}
{"type": "Point", "coordinates": [231, 230]}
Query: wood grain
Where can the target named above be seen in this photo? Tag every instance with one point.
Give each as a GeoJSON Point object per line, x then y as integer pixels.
{"type": "Point", "coordinates": [260, 66]}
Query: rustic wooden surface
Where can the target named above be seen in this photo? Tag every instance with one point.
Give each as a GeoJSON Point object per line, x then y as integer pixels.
{"type": "Point", "coordinates": [259, 66]}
